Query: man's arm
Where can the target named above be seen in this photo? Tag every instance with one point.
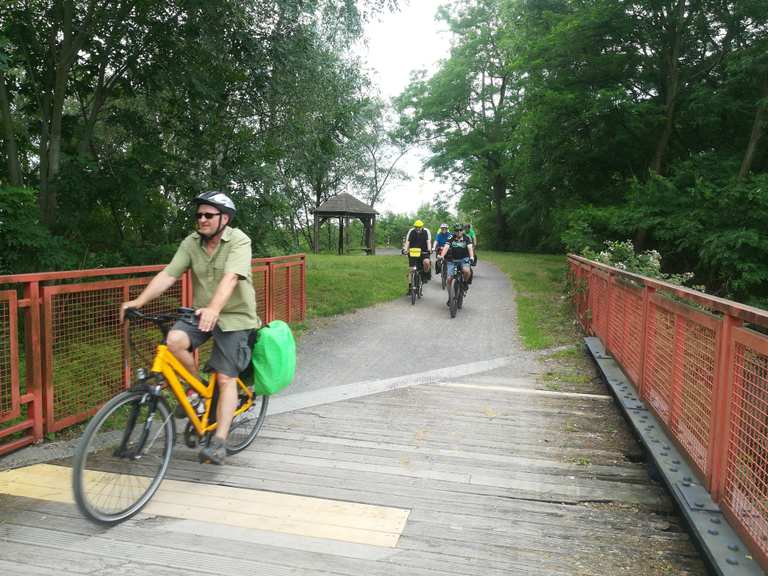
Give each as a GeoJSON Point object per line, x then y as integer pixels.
{"type": "Point", "coordinates": [210, 314]}
{"type": "Point", "coordinates": [159, 284]}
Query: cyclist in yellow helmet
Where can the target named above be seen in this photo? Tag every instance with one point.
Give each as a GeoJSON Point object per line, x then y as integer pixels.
{"type": "Point", "coordinates": [419, 237]}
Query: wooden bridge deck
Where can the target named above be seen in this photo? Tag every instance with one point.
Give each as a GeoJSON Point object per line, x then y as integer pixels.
{"type": "Point", "coordinates": [487, 476]}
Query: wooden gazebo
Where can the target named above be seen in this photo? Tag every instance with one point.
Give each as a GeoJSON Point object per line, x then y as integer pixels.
{"type": "Point", "coordinates": [345, 206]}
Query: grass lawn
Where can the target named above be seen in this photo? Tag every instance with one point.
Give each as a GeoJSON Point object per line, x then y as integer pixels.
{"type": "Point", "coordinates": [337, 284]}
{"type": "Point", "coordinates": [544, 315]}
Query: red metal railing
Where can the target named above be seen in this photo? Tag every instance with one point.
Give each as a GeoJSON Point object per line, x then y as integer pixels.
{"type": "Point", "coordinates": [701, 364]}
{"type": "Point", "coordinates": [63, 352]}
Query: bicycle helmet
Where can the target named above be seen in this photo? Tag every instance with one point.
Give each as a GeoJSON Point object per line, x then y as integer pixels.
{"type": "Point", "coordinates": [457, 227]}
{"type": "Point", "coordinates": [218, 200]}
{"type": "Point", "coordinates": [443, 225]}
{"type": "Point", "coordinates": [418, 224]}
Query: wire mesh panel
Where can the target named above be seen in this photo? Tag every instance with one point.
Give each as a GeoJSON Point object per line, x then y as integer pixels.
{"type": "Point", "coordinates": [281, 292]}
{"type": "Point", "coordinates": [9, 362]}
{"type": "Point", "coordinates": [659, 359]}
{"type": "Point", "coordinates": [625, 331]}
{"type": "Point", "coordinates": [598, 304]}
{"type": "Point", "coordinates": [297, 289]}
{"type": "Point", "coordinates": [83, 349]}
{"type": "Point", "coordinates": [579, 282]}
{"type": "Point", "coordinates": [681, 348]}
{"type": "Point", "coordinates": [695, 392]}
{"type": "Point", "coordinates": [260, 276]}
{"type": "Point", "coordinates": [144, 335]}
{"type": "Point", "coordinates": [746, 477]}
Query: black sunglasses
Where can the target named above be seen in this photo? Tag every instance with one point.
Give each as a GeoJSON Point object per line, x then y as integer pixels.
{"type": "Point", "coordinates": [207, 215]}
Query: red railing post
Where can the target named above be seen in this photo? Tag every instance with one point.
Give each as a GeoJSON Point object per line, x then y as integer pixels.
{"type": "Point", "coordinates": [289, 288]}
{"type": "Point", "coordinates": [720, 418]}
{"type": "Point", "coordinates": [270, 291]}
{"type": "Point", "coordinates": [33, 348]}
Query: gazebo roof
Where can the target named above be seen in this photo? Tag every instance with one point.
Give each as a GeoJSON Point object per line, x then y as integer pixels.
{"type": "Point", "coordinates": [344, 203]}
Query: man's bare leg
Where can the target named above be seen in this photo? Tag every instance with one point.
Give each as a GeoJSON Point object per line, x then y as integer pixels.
{"type": "Point", "coordinates": [179, 344]}
{"type": "Point", "coordinates": [225, 410]}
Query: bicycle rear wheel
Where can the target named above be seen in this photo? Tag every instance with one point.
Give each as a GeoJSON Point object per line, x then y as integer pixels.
{"type": "Point", "coordinates": [420, 289]}
{"type": "Point", "coordinates": [122, 457]}
{"type": "Point", "coordinates": [246, 426]}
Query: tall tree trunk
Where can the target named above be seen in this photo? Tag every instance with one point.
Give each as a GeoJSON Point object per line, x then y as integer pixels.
{"type": "Point", "coordinates": [42, 198]}
{"type": "Point", "coordinates": [672, 87]}
{"type": "Point", "coordinates": [499, 193]}
{"type": "Point", "coordinates": [11, 150]}
{"type": "Point", "coordinates": [758, 127]}
{"type": "Point", "coordinates": [48, 215]}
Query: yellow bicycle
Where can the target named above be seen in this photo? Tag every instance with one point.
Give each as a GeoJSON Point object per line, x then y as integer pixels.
{"type": "Point", "coordinates": [126, 448]}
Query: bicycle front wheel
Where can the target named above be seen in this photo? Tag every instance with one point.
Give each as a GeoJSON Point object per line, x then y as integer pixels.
{"type": "Point", "coordinates": [414, 279]}
{"type": "Point", "coordinates": [122, 457]}
{"type": "Point", "coordinates": [454, 291]}
{"type": "Point", "coordinates": [246, 426]}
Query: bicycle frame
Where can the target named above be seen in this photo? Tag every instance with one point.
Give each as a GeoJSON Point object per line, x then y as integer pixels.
{"type": "Point", "coordinates": [166, 364]}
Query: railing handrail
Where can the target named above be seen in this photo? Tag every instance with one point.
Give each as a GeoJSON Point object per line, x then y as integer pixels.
{"type": "Point", "coordinates": [116, 271]}
{"type": "Point", "coordinates": [738, 310]}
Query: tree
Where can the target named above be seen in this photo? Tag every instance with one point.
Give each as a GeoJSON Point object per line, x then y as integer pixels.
{"type": "Point", "coordinates": [379, 150]}
{"type": "Point", "coordinates": [465, 110]}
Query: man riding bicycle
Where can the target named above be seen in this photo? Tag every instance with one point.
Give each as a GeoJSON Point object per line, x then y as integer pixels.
{"type": "Point", "coordinates": [418, 237]}
{"type": "Point", "coordinates": [220, 259]}
{"type": "Point", "coordinates": [458, 251]}
{"type": "Point", "coordinates": [440, 239]}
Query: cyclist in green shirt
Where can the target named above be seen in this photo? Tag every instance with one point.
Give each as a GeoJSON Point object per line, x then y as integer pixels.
{"type": "Point", "coordinates": [220, 259]}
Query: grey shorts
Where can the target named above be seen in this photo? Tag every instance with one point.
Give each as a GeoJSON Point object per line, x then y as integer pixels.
{"type": "Point", "coordinates": [231, 351]}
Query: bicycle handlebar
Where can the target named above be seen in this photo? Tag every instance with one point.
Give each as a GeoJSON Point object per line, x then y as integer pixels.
{"type": "Point", "coordinates": [181, 312]}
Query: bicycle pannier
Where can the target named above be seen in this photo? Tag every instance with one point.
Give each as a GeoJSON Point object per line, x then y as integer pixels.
{"type": "Point", "coordinates": [274, 358]}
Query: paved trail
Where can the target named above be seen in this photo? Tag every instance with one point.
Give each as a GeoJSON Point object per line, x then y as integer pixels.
{"type": "Point", "coordinates": [398, 338]}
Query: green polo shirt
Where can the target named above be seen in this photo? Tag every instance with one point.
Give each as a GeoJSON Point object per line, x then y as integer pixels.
{"type": "Point", "coordinates": [233, 254]}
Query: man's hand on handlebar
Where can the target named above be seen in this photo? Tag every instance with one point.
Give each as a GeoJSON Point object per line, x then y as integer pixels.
{"type": "Point", "coordinates": [130, 305]}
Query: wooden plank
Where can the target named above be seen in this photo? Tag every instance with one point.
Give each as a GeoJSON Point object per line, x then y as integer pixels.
{"type": "Point", "coordinates": [347, 521]}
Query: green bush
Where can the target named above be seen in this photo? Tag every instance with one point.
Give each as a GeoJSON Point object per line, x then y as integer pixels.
{"type": "Point", "coordinates": [27, 245]}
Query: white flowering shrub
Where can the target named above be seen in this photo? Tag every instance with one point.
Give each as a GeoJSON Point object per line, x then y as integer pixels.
{"type": "Point", "coordinates": [622, 255]}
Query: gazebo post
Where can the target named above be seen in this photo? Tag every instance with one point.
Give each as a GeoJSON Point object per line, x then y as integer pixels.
{"type": "Point", "coordinates": [341, 235]}
{"type": "Point", "coordinates": [372, 238]}
{"type": "Point", "coordinates": [346, 233]}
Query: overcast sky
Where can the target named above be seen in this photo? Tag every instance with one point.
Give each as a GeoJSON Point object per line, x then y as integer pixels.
{"type": "Point", "coordinates": [408, 40]}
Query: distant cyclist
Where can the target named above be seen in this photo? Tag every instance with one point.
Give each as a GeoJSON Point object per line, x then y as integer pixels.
{"type": "Point", "coordinates": [458, 251]}
{"type": "Point", "coordinates": [419, 237]}
{"type": "Point", "coordinates": [470, 231]}
{"type": "Point", "coordinates": [440, 239]}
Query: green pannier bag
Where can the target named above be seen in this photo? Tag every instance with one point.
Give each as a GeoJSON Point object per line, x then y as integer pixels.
{"type": "Point", "coordinates": [274, 358]}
